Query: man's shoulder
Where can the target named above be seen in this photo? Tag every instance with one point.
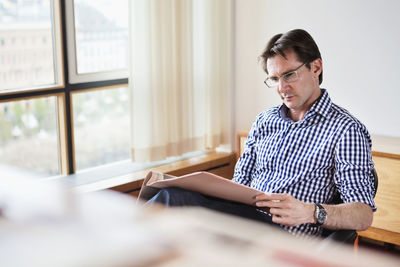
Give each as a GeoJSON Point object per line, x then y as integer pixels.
{"type": "Point", "coordinates": [343, 114]}
{"type": "Point", "coordinates": [345, 118]}
{"type": "Point", "coordinates": [267, 117]}
{"type": "Point", "coordinates": [269, 113]}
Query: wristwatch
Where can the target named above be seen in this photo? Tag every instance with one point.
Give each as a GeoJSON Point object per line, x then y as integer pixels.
{"type": "Point", "coordinates": [320, 214]}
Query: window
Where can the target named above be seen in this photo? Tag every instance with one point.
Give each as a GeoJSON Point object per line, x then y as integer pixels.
{"type": "Point", "coordinates": [52, 126]}
{"type": "Point", "coordinates": [101, 33]}
{"type": "Point", "coordinates": [98, 40]}
{"type": "Point", "coordinates": [28, 136]}
{"type": "Point", "coordinates": [101, 127]}
{"type": "Point", "coordinates": [21, 23]}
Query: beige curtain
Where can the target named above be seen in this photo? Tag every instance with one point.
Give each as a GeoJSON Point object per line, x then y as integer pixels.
{"type": "Point", "coordinates": [180, 76]}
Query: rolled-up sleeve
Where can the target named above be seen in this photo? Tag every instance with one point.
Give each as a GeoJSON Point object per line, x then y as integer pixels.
{"type": "Point", "coordinates": [353, 176]}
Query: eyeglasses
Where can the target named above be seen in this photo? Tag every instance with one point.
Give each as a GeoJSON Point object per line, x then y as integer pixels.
{"type": "Point", "coordinates": [289, 77]}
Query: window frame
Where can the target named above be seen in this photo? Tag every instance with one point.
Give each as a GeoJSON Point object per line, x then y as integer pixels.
{"type": "Point", "coordinates": [58, 62]}
{"type": "Point", "coordinates": [74, 76]}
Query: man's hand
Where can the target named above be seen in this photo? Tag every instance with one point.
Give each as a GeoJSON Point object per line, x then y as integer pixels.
{"type": "Point", "coordinates": [286, 210]}
{"type": "Point", "coordinates": [289, 211]}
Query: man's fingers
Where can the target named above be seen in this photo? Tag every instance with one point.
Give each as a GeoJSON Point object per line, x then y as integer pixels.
{"type": "Point", "coordinates": [277, 219]}
{"type": "Point", "coordinates": [282, 220]}
{"type": "Point", "coordinates": [280, 212]}
{"type": "Point", "coordinates": [283, 208]}
{"type": "Point", "coordinates": [269, 203]}
{"type": "Point", "coordinates": [271, 196]}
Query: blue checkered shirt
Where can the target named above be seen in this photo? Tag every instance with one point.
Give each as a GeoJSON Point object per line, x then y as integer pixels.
{"type": "Point", "coordinates": [325, 154]}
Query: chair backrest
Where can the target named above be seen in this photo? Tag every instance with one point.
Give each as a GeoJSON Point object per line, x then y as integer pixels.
{"type": "Point", "coordinates": [375, 181]}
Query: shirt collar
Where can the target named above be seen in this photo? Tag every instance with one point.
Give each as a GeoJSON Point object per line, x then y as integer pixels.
{"type": "Point", "coordinates": [322, 106]}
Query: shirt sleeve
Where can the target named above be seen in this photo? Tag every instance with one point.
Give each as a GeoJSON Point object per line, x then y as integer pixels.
{"type": "Point", "coordinates": [246, 163]}
{"type": "Point", "coordinates": [353, 177]}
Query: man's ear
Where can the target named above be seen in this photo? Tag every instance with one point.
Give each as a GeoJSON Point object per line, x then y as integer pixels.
{"type": "Point", "coordinates": [316, 67]}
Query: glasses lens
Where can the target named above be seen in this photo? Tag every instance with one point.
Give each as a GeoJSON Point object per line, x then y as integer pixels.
{"type": "Point", "coordinates": [290, 77]}
{"type": "Point", "coordinates": [270, 82]}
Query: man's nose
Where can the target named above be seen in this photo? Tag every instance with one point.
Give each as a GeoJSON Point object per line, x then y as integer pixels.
{"type": "Point", "coordinates": [282, 85]}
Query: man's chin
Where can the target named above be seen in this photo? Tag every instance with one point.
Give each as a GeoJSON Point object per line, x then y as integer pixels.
{"type": "Point", "coordinates": [290, 104]}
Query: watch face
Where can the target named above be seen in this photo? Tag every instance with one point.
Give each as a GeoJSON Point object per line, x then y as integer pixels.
{"type": "Point", "coordinates": [320, 214]}
{"type": "Point", "coordinates": [321, 217]}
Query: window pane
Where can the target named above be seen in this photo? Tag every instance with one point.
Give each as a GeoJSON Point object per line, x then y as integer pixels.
{"type": "Point", "coordinates": [101, 35]}
{"type": "Point", "coordinates": [101, 127]}
{"type": "Point", "coordinates": [26, 44]}
{"type": "Point", "coordinates": [29, 137]}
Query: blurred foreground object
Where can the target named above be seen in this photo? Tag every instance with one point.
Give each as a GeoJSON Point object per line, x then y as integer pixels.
{"type": "Point", "coordinates": [44, 224]}
{"type": "Point", "coordinates": [203, 237]}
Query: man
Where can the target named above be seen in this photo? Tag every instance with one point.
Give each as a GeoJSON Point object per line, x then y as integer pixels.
{"type": "Point", "coordinates": [301, 153]}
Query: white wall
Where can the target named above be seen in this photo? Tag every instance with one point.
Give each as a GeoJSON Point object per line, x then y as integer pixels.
{"type": "Point", "coordinates": [359, 41]}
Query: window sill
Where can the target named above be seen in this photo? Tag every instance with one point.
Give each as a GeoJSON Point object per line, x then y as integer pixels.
{"type": "Point", "coordinates": [111, 178]}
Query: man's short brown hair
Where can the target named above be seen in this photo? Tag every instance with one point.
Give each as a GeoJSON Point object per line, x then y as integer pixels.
{"type": "Point", "coordinates": [299, 41]}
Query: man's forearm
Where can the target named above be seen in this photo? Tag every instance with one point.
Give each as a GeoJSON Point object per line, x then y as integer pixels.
{"type": "Point", "coordinates": [356, 215]}
{"type": "Point", "coordinates": [289, 211]}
